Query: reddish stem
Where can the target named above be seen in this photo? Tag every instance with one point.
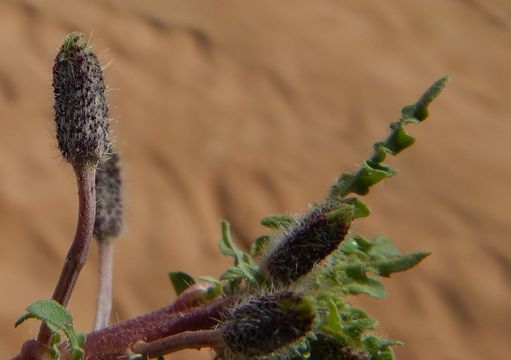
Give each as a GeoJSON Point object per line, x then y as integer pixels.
{"type": "Point", "coordinates": [77, 254]}
{"type": "Point", "coordinates": [185, 340]}
{"type": "Point", "coordinates": [115, 341]}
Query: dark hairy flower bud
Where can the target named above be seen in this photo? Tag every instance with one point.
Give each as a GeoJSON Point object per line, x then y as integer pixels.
{"type": "Point", "coordinates": [81, 112]}
{"type": "Point", "coordinates": [267, 323]}
{"type": "Point", "coordinates": [311, 240]}
{"type": "Point", "coordinates": [109, 207]}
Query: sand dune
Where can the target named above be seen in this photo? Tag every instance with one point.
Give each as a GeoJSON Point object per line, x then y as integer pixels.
{"type": "Point", "coordinates": [236, 110]}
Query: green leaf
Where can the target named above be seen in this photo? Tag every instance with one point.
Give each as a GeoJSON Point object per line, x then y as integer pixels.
{"type": "Point", "coordinates": [277, 221]}
{"type": "Point", "coordinates": [373, 170]}
{"type": "Point", "coordinates": [227, 246]}
{"type": "Point", "coordinates": [399, 263]}
{"type": "Point", "coordinates": [363, 244]}
{"type": "Point", "coordinates": [242, 272]}
{"type": "Point", "coordinates": [383, 246]}
{"type": "Point", "coordinates": [356, 271]}
{"type": "Point", "coordinates": [259, 245]}
{"type": "Point", "coordinates": [215, 290]}
{"type": "Point", "coordinates": [398, 139]}
{"type": "Point", "coordinates": [360, 209]}
{"type": "Point", "coordinates": [370, 286]}
{"type": "Point", "coordinates": [331, 322]}
{"type": "Point", "coordinates": [57, 319]}
{"type": "Point", "coordinates": [421, 106]}
{"type": "Point", "coordinates": [181, 281]}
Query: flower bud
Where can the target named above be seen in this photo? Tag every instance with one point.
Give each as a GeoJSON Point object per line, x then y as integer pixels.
{"type": "Point", "coordinates": [81, 112]}
{"type": "Point", "coordinates": [267, 323]}
{"type": "Point", "coordinates": [311, 240]}
{"type": "Point", "coordinates": [109, 207]}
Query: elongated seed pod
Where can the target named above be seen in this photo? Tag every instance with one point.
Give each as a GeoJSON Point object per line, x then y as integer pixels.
{"type": "Point", "coordinates": [81, 113]}
{"type": "Point", "coordinates": [311, 240]}
{"type": "Point", "coordinates": [267, 323]}
{"type": "Point", "coordinates": [109, 205]}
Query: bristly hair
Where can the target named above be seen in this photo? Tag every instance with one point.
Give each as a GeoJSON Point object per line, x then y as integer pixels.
{"type": "Point", "coordinates": [266, 323]}
{"type": "Point", "coordinates": [317, 234]}
{"type": "Point", "coordinates": [109, 205]}
{"type": "Point", "coordinates": [81, 113]}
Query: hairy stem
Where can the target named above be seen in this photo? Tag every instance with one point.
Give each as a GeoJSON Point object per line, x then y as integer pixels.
{"type": "Point", "coordinates": [185, 340]}
{"type": "Point", "coordinates": [116, 340]}
{"type": "Point", "coordinates": [104, 298]}
{"type": "Point", "coordinates": [77, 254]}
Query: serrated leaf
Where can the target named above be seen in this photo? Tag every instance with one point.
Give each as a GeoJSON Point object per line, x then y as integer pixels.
{"type": "Point", "coordinates": [399, 263]}
{"type": "Point", "coordinates": [181, 281]}
{"type": "Point", "coordinates": [372, 170]}
{"type": "Point", "coordinates": [277, 221]}
{"type": "Point", "coordinates": [398, 139]}
{"type": "Point", "coordinates": [369, 174]}
{"type": "Point", "coordinates": [58, 319]}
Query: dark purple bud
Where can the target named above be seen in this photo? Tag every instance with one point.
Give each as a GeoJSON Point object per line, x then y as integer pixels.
{"type": "Point", "coordinates": [304, 245]}
{"type": "Point", "coordinates": [267, 323]}
{"type": "Point", "coordinates": [81, 112]}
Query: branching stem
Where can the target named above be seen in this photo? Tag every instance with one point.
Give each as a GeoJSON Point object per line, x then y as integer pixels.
{"type": "Point", "coordinates": [116, 340]}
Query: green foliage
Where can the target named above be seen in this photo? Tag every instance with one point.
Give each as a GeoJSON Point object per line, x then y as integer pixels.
{"type": "Point", "coordinates": [340, 331]}
{"type": "Point", "coordinates": [58, 320]}
{"type": "Point", "coordinates": [373, 170]}
{"type": "Point", "coordinates": [181, 281]}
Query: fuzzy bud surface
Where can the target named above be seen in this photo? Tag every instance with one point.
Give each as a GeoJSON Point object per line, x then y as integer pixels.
{"type": "Point", "coordinates": [311, 240]}
{"type": "Point", "coordinates": [268, 323]}
{"type": "Point", "coordinates": [81, 113]}
{"type": "Point", "coordinates": [109, 206]}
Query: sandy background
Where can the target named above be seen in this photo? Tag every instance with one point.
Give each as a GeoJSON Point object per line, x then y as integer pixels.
{"type": "Point", "coordinates": [239, 109]}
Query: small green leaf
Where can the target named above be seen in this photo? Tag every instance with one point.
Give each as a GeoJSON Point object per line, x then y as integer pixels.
{"type": "Point", "coordinates": [216, 289]}
{"type": "Point", "coordinates": [356, 271]}
{"type": "Point", "coordinates": [331, 322]}
{"type": "Point", "coordinates": [181, 281]}
{"type": "Point", "coordinates": [259, 245]}
{"type": "Point", "coordinates": [369, 286]}
{"type": "Point", "coordinates": [398, 139]}
{"type": "Point", "coordinates": [58, 319]}
{"type": "Point", "coordinates": [373, 170]}
{"type": "Point", "coordinates": [399, 263]}
{"type": "Point", "coordinates": [227, 246]}
{"type": "Point", "coordinates": [360, 209]}
{"type": "Point", "coordinates": [277, 221]}
{"type": "Point", "coordinates": [421, 106]}
{"type": "Point", "coordinates": [363, 244]}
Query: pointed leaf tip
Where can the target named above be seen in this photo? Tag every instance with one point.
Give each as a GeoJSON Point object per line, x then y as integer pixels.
{"type": "Point", "coordinates": [181, 281]}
